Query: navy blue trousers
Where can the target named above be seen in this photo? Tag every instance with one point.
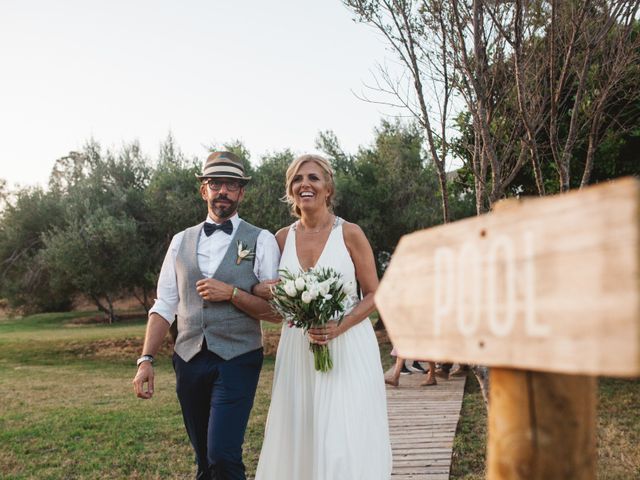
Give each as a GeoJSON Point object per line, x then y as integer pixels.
{"type": "Point", "coordinates": [216, 397]}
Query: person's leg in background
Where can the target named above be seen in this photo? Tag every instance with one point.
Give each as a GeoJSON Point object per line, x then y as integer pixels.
{"type": "Point", "coordinates": [431, 376]}
{"type": "Point", "coordinates": [394, 379]}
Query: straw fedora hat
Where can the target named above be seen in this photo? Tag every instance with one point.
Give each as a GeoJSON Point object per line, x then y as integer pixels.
{"type": "Point", "coordinates": [223, 165]}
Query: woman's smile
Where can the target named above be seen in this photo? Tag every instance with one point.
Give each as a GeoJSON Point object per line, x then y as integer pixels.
{"type": "Point", "coordinates": [309, 184]}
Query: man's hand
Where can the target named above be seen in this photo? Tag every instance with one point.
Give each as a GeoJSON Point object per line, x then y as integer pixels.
{"type": "Point", "coordinates": [213, 290]}
{"type": "Point", "coordinates": [144, 375]}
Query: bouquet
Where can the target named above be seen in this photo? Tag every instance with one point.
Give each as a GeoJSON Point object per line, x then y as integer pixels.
{"type": "Point", "coordinates": [310, 300]}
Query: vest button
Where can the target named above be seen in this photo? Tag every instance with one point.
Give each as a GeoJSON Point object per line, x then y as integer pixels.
{"type": "Point", "coordinates": [204, 305]}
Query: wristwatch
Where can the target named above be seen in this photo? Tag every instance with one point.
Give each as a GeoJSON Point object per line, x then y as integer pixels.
{"type": "Point", "coordinates": [144, 358]}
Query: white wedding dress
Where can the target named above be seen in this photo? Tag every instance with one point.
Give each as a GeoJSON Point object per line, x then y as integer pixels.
{"type": "Point", "coordinates": [333, 425]}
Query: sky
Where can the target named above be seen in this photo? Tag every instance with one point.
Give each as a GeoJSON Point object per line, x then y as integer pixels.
{"type": "Point", "coordinates": [272, 74]}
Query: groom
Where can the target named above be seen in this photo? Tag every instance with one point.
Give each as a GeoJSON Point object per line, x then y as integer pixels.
{"type": "Point", "coordinates": [205, 284]}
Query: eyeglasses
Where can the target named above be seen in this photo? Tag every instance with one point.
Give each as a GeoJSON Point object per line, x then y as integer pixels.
{"type": "Point", "coordinates": [216, 184]}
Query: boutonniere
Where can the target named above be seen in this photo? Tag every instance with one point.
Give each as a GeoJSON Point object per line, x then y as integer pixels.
{"type": "Point", "coordinates": [244, 253]}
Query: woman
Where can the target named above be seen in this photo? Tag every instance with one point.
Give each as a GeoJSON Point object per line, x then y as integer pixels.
{"type": "Point", "coordinates": [333, 425]}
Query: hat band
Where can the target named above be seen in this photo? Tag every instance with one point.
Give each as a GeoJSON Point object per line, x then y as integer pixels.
{"type": "Point", "coordinates": [223, 170]}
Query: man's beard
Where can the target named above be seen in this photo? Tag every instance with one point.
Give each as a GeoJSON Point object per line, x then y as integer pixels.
{"type": "Point", "coordinates": [223, 210]}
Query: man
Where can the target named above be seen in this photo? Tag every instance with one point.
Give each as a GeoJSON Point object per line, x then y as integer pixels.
{"type": "Point", "coordinates": [205, 284]}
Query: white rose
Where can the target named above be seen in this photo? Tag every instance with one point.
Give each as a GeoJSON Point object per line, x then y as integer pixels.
{"type": "Point", "coordinates": [290, 288]}
{"type": "Point", "coordinates": [306, 297]}
{"type": "Point", "coordinates": [300, 283]}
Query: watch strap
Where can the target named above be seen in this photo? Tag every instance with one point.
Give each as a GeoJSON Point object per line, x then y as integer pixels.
{"type": "Point", "coordinates": [144, 358]}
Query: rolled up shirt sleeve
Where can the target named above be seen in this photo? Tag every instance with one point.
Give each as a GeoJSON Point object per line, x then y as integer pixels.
{"type": "Point", "coordinates": [267, 257]}
{"type": "Point", "coordinates": [166, 305]}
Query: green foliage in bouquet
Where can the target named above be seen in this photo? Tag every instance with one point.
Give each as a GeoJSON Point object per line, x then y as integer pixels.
{"type": "Point", "coordinates": [310, 300]}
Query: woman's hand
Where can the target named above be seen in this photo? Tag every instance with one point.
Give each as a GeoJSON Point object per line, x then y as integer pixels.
{"type": "Point", "coordinates": [263, 289]}
{"type": "Point", "coordinates": [323, 335]}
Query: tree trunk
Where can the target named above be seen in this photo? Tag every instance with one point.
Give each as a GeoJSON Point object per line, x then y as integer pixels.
{"type": "Point", "coordinates": [482, 375]}
{"type": "Point", "coordinates": [563, 175]}
{"type": "Point", "coordinates": [480, 174]}
{"type": "Point", "coordinates": [525, 114]}
{"type": "Point", "coordinates": [591, 152]}
{"type": "Point", "coordinates": [111, 313]}
{"type": "Point", "coordinates": [444, 190]}
{"type": "Point", "coordinates": [144, 300]}
{"type": "Point", "coordinates": [426, 119]}
{"type": "Point", "coordinates": [101, 307]}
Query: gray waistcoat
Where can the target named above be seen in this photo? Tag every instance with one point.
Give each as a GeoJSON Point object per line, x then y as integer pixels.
{"type": "Point", "coordinates": [229, 331]}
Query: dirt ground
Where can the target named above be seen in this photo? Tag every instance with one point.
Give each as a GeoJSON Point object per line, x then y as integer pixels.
{"type": "Point", "coordinates": [126, 303]}
{"type": "Point", "coordinates": [129, 308]}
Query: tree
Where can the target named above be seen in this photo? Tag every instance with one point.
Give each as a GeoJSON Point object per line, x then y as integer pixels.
{"type": "Point", "coordinates": [99, 248]}
{"type": "Point", "coordinates": [536, 77]}
{"type": "Point", "coordinates": [99, 255]}
{"type": "Point", "coordinates": [171, 204]}
{"type": "Point", "coordinates": [406, 26]}
{"type": "Point", "coordinates": [4, 194]}
{"type": "Point", "coordinates": [103, 227]}
{"type": "Point", "coordinates": [264, 203]}
{"type": "Point", "coordinates": [28, 217]}
{"type": "Point", "coordinates": [539, 78]}
{"type": "Point", "coordinates": [389, 189]}
{"type": "Point", "coordinates": [575, 64]}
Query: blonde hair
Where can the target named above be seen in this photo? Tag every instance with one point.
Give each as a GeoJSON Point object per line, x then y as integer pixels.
{"type": "Point", "coordinates": [324, 164]}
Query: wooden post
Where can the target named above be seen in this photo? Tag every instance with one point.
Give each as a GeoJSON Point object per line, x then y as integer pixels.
{"type": "Point", "coordinates": [547, 293]}
{"type": "Point", "coordinates": [541, 426]}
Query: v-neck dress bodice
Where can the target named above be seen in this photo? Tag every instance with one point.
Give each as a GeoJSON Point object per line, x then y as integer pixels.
{"type": "Point", "coordinates": [333, 425]}
{"type": "Point", "coordinates": [334, 254]}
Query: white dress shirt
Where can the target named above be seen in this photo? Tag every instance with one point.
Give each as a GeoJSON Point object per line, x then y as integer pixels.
{"type": "Point", "coordinates": [211, 250]}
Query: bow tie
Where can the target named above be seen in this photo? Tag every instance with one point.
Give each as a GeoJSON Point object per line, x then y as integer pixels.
{"type": "Point", "coordinates": [226, 227]}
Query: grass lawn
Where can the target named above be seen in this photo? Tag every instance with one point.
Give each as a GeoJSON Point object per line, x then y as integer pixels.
{"type": "Point", "coordinates": [68, 410]}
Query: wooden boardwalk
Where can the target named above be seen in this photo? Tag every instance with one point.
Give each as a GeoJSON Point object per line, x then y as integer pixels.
{"type": "Point", "coordinates": [422, 422]}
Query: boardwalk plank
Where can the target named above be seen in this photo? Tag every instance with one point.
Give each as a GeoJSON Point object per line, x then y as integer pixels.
{"type": "Point", "coordinates": [422, 424]}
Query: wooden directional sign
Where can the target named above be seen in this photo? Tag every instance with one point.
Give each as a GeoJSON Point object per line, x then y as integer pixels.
{"type": "Point", "coordinates": [550, 284]}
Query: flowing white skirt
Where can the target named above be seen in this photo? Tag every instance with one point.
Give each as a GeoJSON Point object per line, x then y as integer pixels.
{"type": "Point", "coordinates": [327, 426]}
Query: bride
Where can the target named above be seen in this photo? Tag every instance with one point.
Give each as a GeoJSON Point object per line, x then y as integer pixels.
{"type": "Point", "coordinates": [333, 425]}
